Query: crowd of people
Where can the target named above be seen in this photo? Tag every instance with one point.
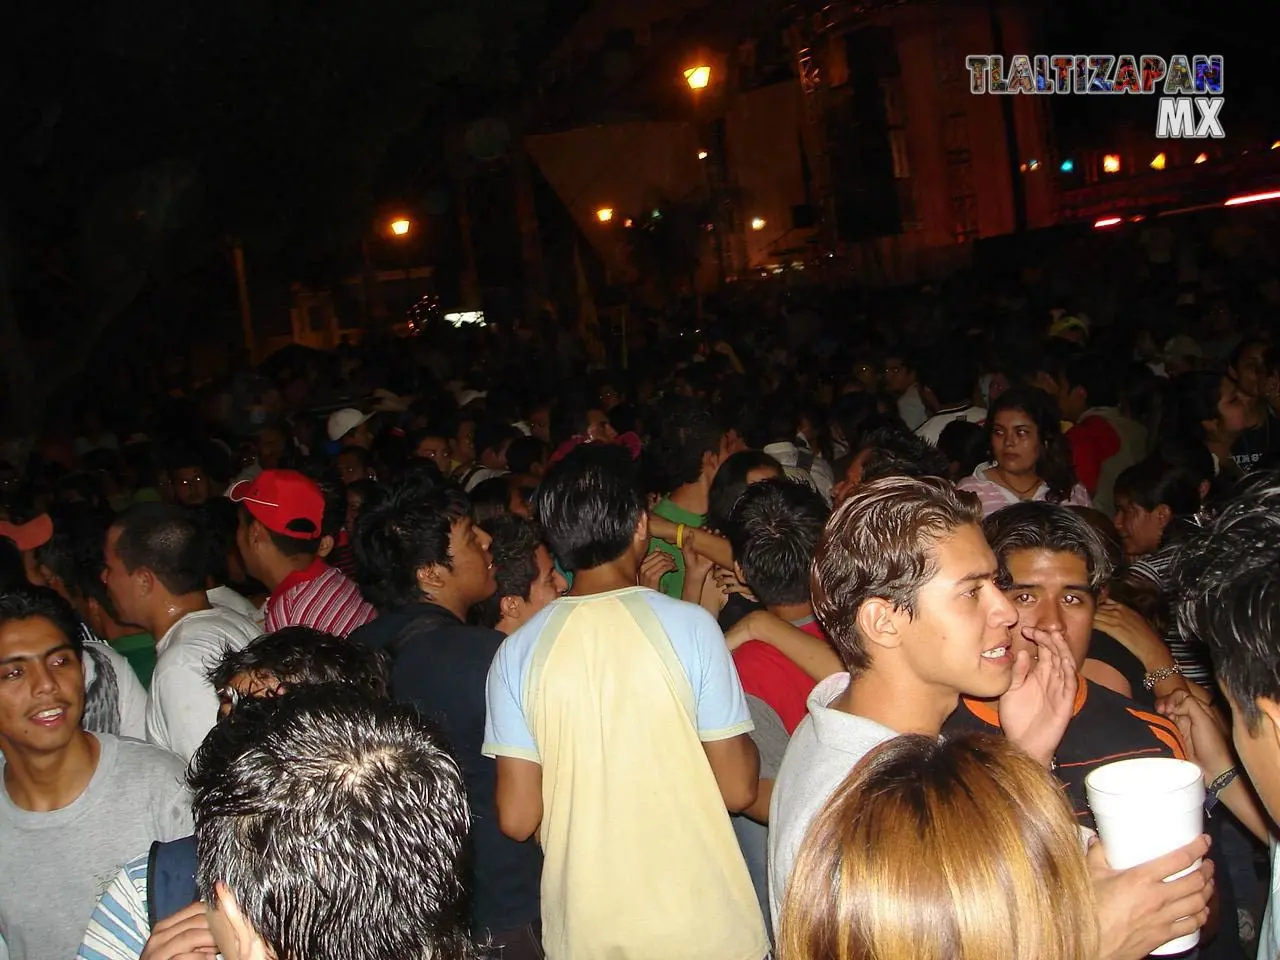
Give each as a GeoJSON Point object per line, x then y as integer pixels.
{"type": "Point", "coordinates": [742, 651]}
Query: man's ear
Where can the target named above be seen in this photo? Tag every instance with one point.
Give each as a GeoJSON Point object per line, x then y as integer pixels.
{"type": "Point", "coordinates": [877, 621]}
{"type": "Point", "coordinates": [509, 607]}
{"type": "Point", "coordinates": [1270, 722]}
{"type": "Point", "coordinates": [430, 579]}
{"type": "Point", "coordinates": [642, 528]}
{"type": "Point", "coordinates": [245, 941]}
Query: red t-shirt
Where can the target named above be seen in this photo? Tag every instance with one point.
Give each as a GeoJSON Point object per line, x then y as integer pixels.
{"type": "Point", "coordinates": [1093, 442]}
{"type": "Point", "coordinates": [774, 678]}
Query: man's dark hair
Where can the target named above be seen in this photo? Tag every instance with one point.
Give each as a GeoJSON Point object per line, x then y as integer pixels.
{"type": "Point", "coordinates": [302, 657]}
{"type": "Point", "coordinates": [882, 542]}
{"type": "Point", "coordinates": [1099, 374]}
{"type": "Point", "coordinates": [73, 553]}
{"type": "Point", "coordinates": [774, 530]}
{"type": "Point", "coordinates": [220, 517]}
{"type": "Point", "coordinates": [13, 572]}
{"type": "Point", "coordinates": [689, 432]}
{"type": "Point", "coordinates": [168, 540]}
{"type": "Point", "coordinates": [524, 453]}
{"type": "Point", "coordinates": [1037, 525]}
{"type": "Point", "coordinates": [951, 374]}
{"type": "Point", "coordinates": [490, 498]}
{"type": "Point", "coordinates": [893, 452]}
{"type": "Point", "coordinates": [179, 458]}
{"type": "Point", "coordinates": [515, 563]}
{"type": "Point", "coordinates": [1226, 575]}
{"type": "Point", "coordinates": [289, 546]}
{"type": "Point", "coordinates": [406, 530]}
{"type": "Point", "coordinates": [590, 504]}
{"type": "Point", "coordinates": [731, 480]}
{"type": "Point", "coordinates": [338, 822]}
{"type": "Point", "coordinates": [491, 435]}
{"type": "Point", "coordinates": [24, 602]}
{"type": "Point", "coordinates": [358, 453]}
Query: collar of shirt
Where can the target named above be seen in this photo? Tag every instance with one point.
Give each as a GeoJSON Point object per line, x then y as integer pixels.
{"type": "Point", "coordinates": [316, 568]}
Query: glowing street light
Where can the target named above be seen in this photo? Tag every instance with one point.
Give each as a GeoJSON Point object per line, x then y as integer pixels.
{"type": "Point", "coordinates": [1107, 222]}
{"type": "Point", "coordinates": [1158, 161]}
{"type": "Point", "coordinates": [1111, 163]}
{"type": "Point", "coordinates": [1276, 145]}
{"type": "Point", "coordinates": [698, 77]}
{"type": "Point", "coordinates": [1202, 158]}
{"type": "Point", "coordinates": [401, 227]}
{"type": "Point", "coordinates": [604, 214]}
{"type": "Point", "coordinates": [702, 154]}
{"type": "Point", "coordinates": [757, 223]}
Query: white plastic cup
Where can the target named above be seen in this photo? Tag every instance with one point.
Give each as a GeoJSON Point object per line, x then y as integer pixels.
{"type": "Point", "coordinates": [1145, 808]}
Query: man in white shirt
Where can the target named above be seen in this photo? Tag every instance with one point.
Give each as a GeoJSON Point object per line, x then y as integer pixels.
{"type": "Point", "coordinates": [900, 381]}
{"type": "Point", "coordinates": [157, 555]}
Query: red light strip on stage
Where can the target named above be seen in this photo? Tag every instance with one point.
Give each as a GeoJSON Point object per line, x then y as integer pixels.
{"type": "Point", "coordinates": [1252, 198]}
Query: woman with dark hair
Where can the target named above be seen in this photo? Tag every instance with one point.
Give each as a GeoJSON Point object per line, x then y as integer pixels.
{"type": "Point", "coordinates": [1206, 409]}
{"type": "Point", "coordinates": [1031, 459]}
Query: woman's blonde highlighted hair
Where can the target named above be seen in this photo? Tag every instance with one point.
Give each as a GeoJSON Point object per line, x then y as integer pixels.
{"type": "Point", "coordinates": [955, 849]}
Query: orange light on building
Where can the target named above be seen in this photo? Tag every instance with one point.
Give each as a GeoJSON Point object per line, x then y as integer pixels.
{"type": "Point", "coordinates": [604, 214]}
{"type": "Point", "coordinates": [1111, 163]}
{"type": "Point", "coordinates": [1107, 222]}
{"type": "Point", "coordinates": [702, 154]}
{"type": "Point", "coordinates": [1202, 158]}
{"type": "Point", "coordinates": [1276, 145]}
{"type": "Point", "coordinates": [758, 223]}
{"type": "Point", "coordinates": [1158, 161]}
{"type": "Point", "coordinates": [401, 227]}
{"type": "Point", "coordinates": [1252, 198]}
{"type": "Point", "coordinates": [698, 77]}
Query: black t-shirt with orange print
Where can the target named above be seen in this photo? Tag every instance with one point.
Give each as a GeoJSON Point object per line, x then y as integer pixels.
{"type": "Point", "coordinates": [1105, 727]}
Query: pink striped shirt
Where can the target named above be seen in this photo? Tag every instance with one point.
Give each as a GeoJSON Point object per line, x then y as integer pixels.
{"type": "Point", "coordinates": [321, 597]}
{"type": "Point", "coordinates": [995, 497]}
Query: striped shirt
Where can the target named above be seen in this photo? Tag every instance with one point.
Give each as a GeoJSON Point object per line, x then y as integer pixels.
{"type": "Point", "coordinates": [119, 928]}
{"type": "Point", "coordinates": [995, 497]}
{"type": "Point", "coordinates": [321, 597]}
{"type": "Point", "coordinates": [1190, 655]}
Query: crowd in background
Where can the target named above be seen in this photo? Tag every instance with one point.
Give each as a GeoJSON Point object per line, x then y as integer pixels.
{"type": "Point", "coordinates": [802, 624]}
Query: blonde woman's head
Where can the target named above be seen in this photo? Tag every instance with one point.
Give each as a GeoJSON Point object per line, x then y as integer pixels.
{"type": "Point", "coordinates": [960, 849]}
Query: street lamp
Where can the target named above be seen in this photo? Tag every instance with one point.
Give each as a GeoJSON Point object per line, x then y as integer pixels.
{"type": "Point", "coordinates": [698, 77]}
{"type": "Point", "coordinates": [757, 223]}
{"type": "Point", "coordinates": [604, 214]}
{"type": "Point", "coordinates": [702, 154]}
{"type": "Point", "coordinates": [1111, 163]}
{"type": "Point", "coordinates": [400, 227]}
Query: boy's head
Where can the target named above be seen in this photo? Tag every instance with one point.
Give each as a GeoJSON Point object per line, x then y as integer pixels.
{"type": "Point", "coordinates": [331, 826]}
{"type": "Point", "coordinates": [1227, 574]}
{"type": "Point", "coordinates": [591, 507]}
{"type": "Point", "coordinates": [1055, 566]}
{"type": "Point", "coordinates": [774, 529]}
{"type": "Point", "coordinates": [903, 580]}
{"type": "Point", "coordinates": [282, 515]}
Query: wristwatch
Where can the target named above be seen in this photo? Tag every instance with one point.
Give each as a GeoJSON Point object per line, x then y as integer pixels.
{"type": "Point", "coordinates": [1164, 673]}
{"type": "Point", "coordinates": [1214, 789]}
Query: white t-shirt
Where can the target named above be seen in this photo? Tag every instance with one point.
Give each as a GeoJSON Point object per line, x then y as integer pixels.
{"type": "Point", "coordinates": [1269, 932]}
{"type": "Point", "coordinates": [183, 706]}
{"type": "Point", "coordinates": [911, 408]}
{"type": "Point", "coordinates": [115, 704]}
{"type": "Point", "coordinates": [823, 749]}
{"type": "Point", "coordinates": [226, 597]}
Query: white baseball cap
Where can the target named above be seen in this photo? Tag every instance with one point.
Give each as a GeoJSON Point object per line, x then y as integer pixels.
{"type": "Point", "coordinates": [342, 422]}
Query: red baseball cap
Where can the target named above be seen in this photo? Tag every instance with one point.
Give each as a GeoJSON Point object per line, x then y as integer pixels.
{"type": "Point", "coordinates": [284, 501]}
{"type": "Point", "coordinates": [30, 535]}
